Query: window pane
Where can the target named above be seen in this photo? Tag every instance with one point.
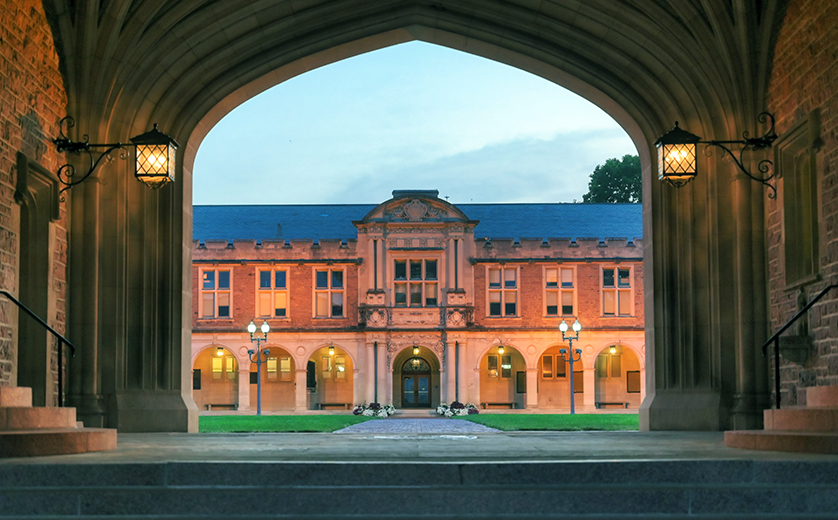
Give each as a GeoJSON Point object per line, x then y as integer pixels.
{"type": "Point", "coordinates": [509, 276]}
{"type": "Point", "coordinates": [494, 277]}
{"type": "Point", "coordinates": [281, 304]}
{"type": "Point", "coordinates": [209, 279]}
{"type": "Point", "coordinates": [223, 305]}
{"type": "Point", "coordinates": [265, 279]}
{"type": "Point", "coordinates": [552, 303]}
{"type": "Point", "coordinates": [633, 382]}
{"type": "Point", "coordinates": [493, 366]}
{"type": "Point", "coordinates": [578, 382]}
{"type": "Point", "coordinates": [608, 278]}
{"type": "Point", "coordinates": [506, 366]}
{"type": "Point", "coordinates": [231, 368]}
{"type": "Point", "coordinates": [209, 305]}
{"type": "Point", "coordinates": [264, 304]}
{"type": "Point", "coordinates": [552, 277]}
{"type": "Point", "coordinates": [494, 304]}
{"type": "Point", "coordinates": [285, 368]}
{"type": "Point", "coordinates": [547, 367]}
{"type": "Point", "coordinates": [567, 302]}
{"type": "Point", "coordinates": [337, 304]}
{"type": "Point", "coordinates": [509, 302]}
{"type": "Point", "coordinates": [223, 279]}
{"type": "Point", "coordinates": [401, 270]}
{"type": "Point", "coordinates": [561, 367]}
{"type": "Point", "coordinates": [616, 366]}
{"type": "Point", "coordinates": [608, 302]}
{"type": "Point", "coordinates": [624, 281]}
{"type": "Point", "coordinates": [337, 279]}
{"type": "Point", "coordinates": [415, 269]}
{"type": "Point", "coordinates": [322, 279]}
{"type": "Point", "coordinates": [326, 367]}
{"type": "Point", "coordinates": [430, 269]}
{"type": "Point", "coordinates": [271, 368]}
{"type": "Point", "coordinates": [401, 294]}
{"type": "Point", "coordinates": [216, 368]}
{"type": "Point", "coordinates": [322, 304]}
{"type": "Point", "coordinates": [416, 294]}
{"type": "Point", "coordinates": [625, 303]}
{"type": "Point", "coordinates": [601, 366]}
{"type": "Point", "coordinates": [567, 277]}
{"type": "Point", "coordinates": [430, 294]}
{"type": "Point", "coordinates": [340, 367]}
{"type": "Point", "coordinates": [280, 279]}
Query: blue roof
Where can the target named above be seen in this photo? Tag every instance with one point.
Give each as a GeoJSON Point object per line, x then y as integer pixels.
{"type": "Point", "coordinates": [334, 221]}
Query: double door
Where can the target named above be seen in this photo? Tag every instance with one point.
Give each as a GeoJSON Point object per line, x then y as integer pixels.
{"type": "Point", "coordinates": [416, 391]}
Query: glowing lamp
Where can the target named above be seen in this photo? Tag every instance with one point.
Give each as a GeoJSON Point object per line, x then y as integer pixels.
{"type": "Point", "coordinates": [676, 156]}
{"type": "Point", "coordinates": [154, 158]}
{"type": "Point", "coordinates": [415, 350]}
{"type": "Point", "coordinates": [500, 350]}
{"type": "Point", "coordinates": [331, 350]}
{"type": "Point", "coordinates": [219, 352]}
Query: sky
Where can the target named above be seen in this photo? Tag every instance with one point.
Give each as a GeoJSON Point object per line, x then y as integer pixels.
{"type": "Point", "coordinates": [410, 116]}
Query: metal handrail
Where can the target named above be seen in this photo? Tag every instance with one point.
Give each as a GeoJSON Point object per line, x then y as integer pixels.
{"type": "Point", "coordinates": [776, 340]}
{"type": "Point", "coordinates": [61, 342]}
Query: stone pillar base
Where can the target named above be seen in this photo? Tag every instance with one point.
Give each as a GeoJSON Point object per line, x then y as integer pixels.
{"type": "Point", "coordinates": [154, 412]}
{"type": "Point", "coordinates": [697, 410]}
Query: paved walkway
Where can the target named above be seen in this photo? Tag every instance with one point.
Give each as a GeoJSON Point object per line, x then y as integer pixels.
{"type": "Point", "coordinates": [418, 426]}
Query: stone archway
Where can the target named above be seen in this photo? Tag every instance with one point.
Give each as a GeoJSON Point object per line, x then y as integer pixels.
{"type": "Point", "coordinates": [413, 367]}
{"type": "Point", "coordinates": [184, 65]}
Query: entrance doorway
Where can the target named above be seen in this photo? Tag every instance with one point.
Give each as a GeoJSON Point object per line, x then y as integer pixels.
{"type": "Point", "coordinates": [416, 383]}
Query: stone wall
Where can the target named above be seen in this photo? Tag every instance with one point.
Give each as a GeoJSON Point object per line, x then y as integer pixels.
{"type": "Point", "coordinates": [805, 81]}
{"type": "Point", "coordinates": [33, 101]}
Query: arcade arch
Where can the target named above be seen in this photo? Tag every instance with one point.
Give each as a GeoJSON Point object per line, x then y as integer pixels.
{"type": "Point", "coordinates": [416, 378]}
{"type": "Point", "coordinates": [704, 66]}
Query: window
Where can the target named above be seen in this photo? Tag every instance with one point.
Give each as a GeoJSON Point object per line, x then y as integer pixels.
{"type": "Point", "coordinates": [273, 293]}
{"type": "Point", "coordinates": [415, 283]}
{"type": "Point", "coordinates": [285, 369]}
{"type": "Point", "coordinates": [616, 291]}
{"type": "Point", "coordinates": [215, 294]}
{"type": "Point", "coordinates": [558, 286]}
{"type": "Point", "coordinates": [506, 367]}
{"type": "Point", "coordinates": [340, 368]}
{"type": "Point", "coordinates": [604, 360]}
{"type": "Point", "coordinates": [217, 368]}
{"type": "Point", "coordinates": [548, 365]}
{"type": "Point", "coordinates": [326, 367]}
{"type": "Point", "coordinates": [196, 379]}
{"type": "Point", "coordinates": [503, 291]}
{"type": "Point", "coordinates": [328, 293]}
{"type": "Point", "coordinates": [633, 382]}
{"type": "Point", "coordinates": [493, 366]}
{"type": "Point", "coordinates": [220, 365]}
{"type": "Point", "coordinates": [271, 369]}
{"type": "Point", "coordinates": [578, 382]}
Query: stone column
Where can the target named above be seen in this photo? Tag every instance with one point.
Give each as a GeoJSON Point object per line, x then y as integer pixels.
{"type": "Point", "coordinates": [300, 390]}
{"type": "Point", "coordinates": [450, 371]}
{"type": "Point", "coordinates": [369, 395]}
{"type": "Point", "coordinates": [244, 388]}
{"type": "Point", "coordinates": [589, 396]}
{"type": "Point", "coordinates": [532, 388]}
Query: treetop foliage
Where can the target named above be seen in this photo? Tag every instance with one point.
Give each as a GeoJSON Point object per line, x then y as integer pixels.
{"type": "Point", "coordinates": [617, 180]}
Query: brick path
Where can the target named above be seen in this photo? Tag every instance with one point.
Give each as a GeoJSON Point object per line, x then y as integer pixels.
{"type": "Point", "coordinates": [392, 425]}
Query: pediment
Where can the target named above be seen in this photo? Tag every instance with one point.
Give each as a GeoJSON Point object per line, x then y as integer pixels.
{"type": "Point", "coordinates": [421, 206]}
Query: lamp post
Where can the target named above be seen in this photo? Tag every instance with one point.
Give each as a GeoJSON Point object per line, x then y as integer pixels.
{"type": "Point", "coordinates": [569, 356]}
{"type": "Point", "coordinates": [257, 352]}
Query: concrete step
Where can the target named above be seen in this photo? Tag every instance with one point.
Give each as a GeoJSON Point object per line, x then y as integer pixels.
{"type": "Point", "coordinates": [698, 489]}
{"type": "Point", "coordinates": [15, 418]}
{"type": "Point", "coordinates": [802, 419]}
{"type": "Point", "coordinates": [17, 396]}
{"type": "Point", "coordinates": [778, 440]}
{"type": "Point", "coordinates": [58, 441]}
{"type": "Point", "coordinates": [822, 396]}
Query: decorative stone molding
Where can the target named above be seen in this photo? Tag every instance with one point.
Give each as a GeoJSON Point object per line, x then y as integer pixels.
{"type": "Point", "coordinates": [415, 317]}
{"type": "Point", "coordinates": [375, 317]}
{"type": "Point", "coordinates": [415, 211]}
{"type": "Point", "coordinates": [458, 317]}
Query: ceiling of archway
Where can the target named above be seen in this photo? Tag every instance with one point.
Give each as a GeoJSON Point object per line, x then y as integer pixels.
{"type": "Point", "coordinates": [186, 63]}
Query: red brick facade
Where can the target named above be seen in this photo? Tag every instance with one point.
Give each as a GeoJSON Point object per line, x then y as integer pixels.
{"type": "Point", "coordinates": [804, 80]}
{"type": "Point", "coordinates": [33, 102]}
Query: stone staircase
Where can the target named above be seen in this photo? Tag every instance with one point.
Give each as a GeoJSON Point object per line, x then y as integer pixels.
{"type": "Point", "coordinates": [805, 429]}
{"type": "Point", "coordinates": [27, 431]}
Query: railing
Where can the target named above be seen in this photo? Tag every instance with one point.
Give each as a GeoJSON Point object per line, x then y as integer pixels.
{"type": "Point", "coordinates": [776, 340]}
{"type": "Point", "coordinates": [61, 342]}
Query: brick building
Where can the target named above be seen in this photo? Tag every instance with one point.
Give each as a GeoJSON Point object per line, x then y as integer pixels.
{"type": "Point", "coordinates": [415, 302]}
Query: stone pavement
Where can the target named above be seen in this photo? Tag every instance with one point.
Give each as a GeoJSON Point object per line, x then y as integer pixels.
{"type": "Point", "coordinates": [417, 426]}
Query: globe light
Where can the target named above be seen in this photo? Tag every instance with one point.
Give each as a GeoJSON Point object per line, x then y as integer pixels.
{"type": "Point", "coordinates": [577, 326]}
{"type": "Point", "coordinates": [265, 327]}
{"type": "Point", "coordinates": [563, 326]}
{"type": "Point", "coordinates": [251, 328]}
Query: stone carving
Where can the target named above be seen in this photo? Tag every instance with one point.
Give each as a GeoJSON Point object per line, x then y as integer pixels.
{"type": "Point", "coordinates": [375, 317]}
{"type": "Point", "coordinates": [458, 317]}
{"type": "Point", "coordinates": [415, 317]}
{"type": "Point", "coordinates": [415, 211]}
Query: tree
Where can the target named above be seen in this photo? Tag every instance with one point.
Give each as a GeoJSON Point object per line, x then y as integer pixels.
{"type": "Point", "coordinates": [615, 181]}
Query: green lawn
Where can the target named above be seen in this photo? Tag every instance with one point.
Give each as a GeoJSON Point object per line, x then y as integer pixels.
{"type": "Point", "coordinates": [277, 423]}
{"type": "Point", "coordinates": [564, 422]}
{"type": "Point", "coordinates": [330, 423]}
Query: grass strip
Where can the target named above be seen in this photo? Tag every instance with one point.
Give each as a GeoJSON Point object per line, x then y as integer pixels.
{"type": "Point", "coordinates": [557, 422]}
{"type": "Point", "coordinates": [276, 423]}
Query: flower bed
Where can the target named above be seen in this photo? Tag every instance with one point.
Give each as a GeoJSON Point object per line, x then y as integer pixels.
{"type": "Point", "coordinates": [456, 408]}
{"type": "Point", "coordinates": [374, 410]}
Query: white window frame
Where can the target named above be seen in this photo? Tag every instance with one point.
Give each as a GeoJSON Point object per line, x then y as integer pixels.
{"type": "Point", "coordinates": [423, 283]}
{"type": "Point", "coordinates": [503, 290]}
{"type": "Point", "coordinates": [273, 291]}
{"type": "Point", "coordinates": [559, 289]}
{"type": "Point", "coordinates": [619, 292]}
{"type": "Point", "coordinates": [216, 291]}
{"type": "Point", "coordinates": [330, 291]}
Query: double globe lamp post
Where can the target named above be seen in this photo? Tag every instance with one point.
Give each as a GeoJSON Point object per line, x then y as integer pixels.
{"type": "Point", "coordinates": [570, 355]}
{"type": "Point", "coordinates": [256, 357]}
